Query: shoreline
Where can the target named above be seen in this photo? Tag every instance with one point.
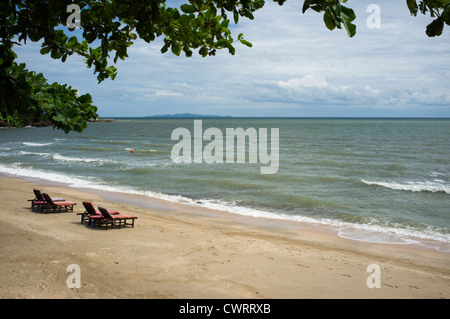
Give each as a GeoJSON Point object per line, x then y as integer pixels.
{"type": "Point", "coordinates": [353, 232]}
{"type": "Point", "coordinates": [273, 223]}
{"type": "Point", "coordinates": [176, 251]}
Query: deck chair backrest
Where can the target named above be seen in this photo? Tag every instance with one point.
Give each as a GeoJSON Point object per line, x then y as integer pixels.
{"type": "Point", "coordinates": [105, 213]}
{"type": "Point", "coordinates": [38, 194]}
{"type": "Point", "coordinates": [48, 199]}
{"type": "Point", "coordinates": [89, 208]}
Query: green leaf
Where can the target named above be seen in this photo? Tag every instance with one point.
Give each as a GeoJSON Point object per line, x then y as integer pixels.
{"type": "Point", "coordinates": [306, 5]}
{"type": "Point", "coordinates": [348, 14]}
{"type": "Point", "coordinates": [231, 49]}
{"type": "Point", "coordinates": [84, 46]}
{"type": "Point", "coordinates": [187, 51]}
{"type": "Point", "coordinates": [222, 43]}
{"type": "Point", "coordinates": [248, 13]}
{"type": "Point", "coordinates": [176, 49]}
{"type": "Point", "coordinates": [259, 4]}
{"type": "Point", "coordinates": [203, 51]}
{"type": "Point", "coordinates": [329, 21]}
{"type": "Point", "coordinates": [235, 15]}
{"type": "Point", "coordinates": [435, 28]}
{"type": "Point", "coordinates": [446, 15]}
{"type": "Point", "coordinates": [112, 72]}
{"type": "Point", "coordinates": [72, 42]}
{"type": "Point", "coordinates": [165, 47]}
{"type": "Point", "coordinates": [45, 50]}
{"type": "Point", "coordinates": [412, 6]}
{"type": "Point", "coordinates": [245, 42]}
{"type": "Point", "coordinates": [317, 8]}
{"type": "Point", "coordinates": [187, 8]}
{"type": "Point", "coordinates": [350, 27]}
{"type": "Point", "coordinates": [58, 118]}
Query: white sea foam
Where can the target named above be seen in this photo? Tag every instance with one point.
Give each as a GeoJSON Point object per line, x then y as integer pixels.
{"type": "Point", "coordinates": [35, 144]}
{"type": "Point", "coordinates": [59, 157]}
{"type": "Point", "coordinates": [426, 186]}
{"type": "Point", "coordinates": [18, 170]}
{"type": "Point", "coordinates": [436, 174]}
{"type": "Point", "coordinates": [364, 232]}
{"type": "Point", "coordinates": [35, 153]}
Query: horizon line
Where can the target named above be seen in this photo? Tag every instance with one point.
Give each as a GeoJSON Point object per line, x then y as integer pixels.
{"type": "Point", "coordinates": [270, 117]}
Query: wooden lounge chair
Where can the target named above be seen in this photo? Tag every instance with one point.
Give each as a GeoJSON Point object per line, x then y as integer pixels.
{"type": "Point", "coordinates": [92, 215]}
{"type": "Point", "coordinates": [50, 204]}
{"type": "Point", "coordinates": [115, 220]}
{"type": "Point", "coordinates": [39, 199]}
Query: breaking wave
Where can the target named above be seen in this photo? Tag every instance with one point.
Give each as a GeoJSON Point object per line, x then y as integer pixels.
{"type": "Point", "coordinates": [436, 186]}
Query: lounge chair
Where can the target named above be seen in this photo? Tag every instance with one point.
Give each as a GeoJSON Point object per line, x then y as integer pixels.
{"type": "Point", "coordinates": [39, 199]}
{"type": "Point", "coordinates": [50, 204]}
{"type": "Point", "coordinates": [115, 220]}
{"type": "Point", "coordinates": [92, 215]}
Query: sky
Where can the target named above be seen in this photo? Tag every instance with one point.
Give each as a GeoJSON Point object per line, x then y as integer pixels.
{"type": "Point", "coordinates": [296, 68]}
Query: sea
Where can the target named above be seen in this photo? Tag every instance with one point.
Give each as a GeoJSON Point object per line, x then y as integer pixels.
{"type": "Point", "coordinates": [383, 180]}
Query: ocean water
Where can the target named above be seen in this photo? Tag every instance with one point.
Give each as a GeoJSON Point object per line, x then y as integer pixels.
{"type": "Point", "coordinates": [379, 180]}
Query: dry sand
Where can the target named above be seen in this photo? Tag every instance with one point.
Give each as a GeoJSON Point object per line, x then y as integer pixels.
{"type": "Point", "coordinates": [184, 252]}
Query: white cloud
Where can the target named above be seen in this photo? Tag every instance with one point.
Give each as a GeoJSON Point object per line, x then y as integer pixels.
{"type": "Point", "coordinates": [297, 84]}
{"type": "Point", "coordinates": [164, 93]}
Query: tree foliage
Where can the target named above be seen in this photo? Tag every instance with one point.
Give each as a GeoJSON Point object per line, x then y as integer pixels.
{"type": "Point", "coordinates": [27, 97]}
{"type": "Point", "coordinates": [110, 27]}
{"type": "Point", "coordinates": [438, 9]}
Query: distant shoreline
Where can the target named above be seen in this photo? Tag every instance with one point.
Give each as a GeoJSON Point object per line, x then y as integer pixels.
{"type": "Point", "coordinates": [187, 115]}
{"type": "Point", "coordinates": [103, 120]}
{"type": "Point", "coordinates": [175, 116]}
{"type": "Point", "coordinates": [35, 124]}
{"type": "Point", "coordinates": [49, 123]}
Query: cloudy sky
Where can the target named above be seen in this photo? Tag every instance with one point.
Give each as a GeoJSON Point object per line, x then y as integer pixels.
{"type": "Point", "coordinates": [296, 68]}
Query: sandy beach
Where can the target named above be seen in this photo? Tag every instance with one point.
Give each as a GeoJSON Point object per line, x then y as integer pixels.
{"type": "Point", "coordinates": [175, 251]}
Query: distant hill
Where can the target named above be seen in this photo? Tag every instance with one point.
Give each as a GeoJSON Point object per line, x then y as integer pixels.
{"type": "Point", "coordinates": [188, 115]}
